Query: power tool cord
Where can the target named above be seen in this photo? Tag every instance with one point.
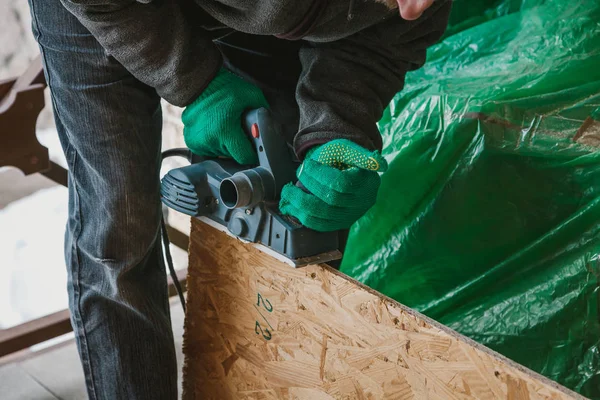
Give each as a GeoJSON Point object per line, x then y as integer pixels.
{"type": "Point", "coordinates": [166, 242]}
{"type": "Point", "coordinates": [187, 154]}
{"type": "Point", "coordinates": [180, 152]}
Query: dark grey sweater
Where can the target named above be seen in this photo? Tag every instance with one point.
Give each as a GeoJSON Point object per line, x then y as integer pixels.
{"type": "Point", "coordinates": [351, 68]}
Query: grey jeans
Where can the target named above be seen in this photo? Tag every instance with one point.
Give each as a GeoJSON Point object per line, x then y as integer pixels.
{"type": "Point", "coordinates": [109, 125]}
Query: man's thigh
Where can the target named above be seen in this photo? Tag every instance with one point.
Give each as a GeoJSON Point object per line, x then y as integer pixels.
{"type": "Point", "coordinates": [109, 124]}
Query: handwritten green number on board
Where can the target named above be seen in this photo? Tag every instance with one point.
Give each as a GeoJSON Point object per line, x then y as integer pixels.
{"type": "Point", "coordinates": [263, 300]}
{"type": "Point", "coordinates": [257, 327]}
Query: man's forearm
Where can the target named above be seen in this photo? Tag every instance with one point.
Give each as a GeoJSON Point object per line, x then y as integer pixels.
{"type": "Point", "coordinates": [346, 85]}
{"type": "Point", "coordinates": [153, 41]}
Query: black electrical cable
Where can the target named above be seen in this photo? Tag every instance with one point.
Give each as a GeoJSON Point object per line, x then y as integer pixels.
{"type": "Point", "coordinates": [187, 154]}
{"type": "Point", "coordinates": [181, 152]}
{"type": "Point", "coordinates": [166, 242]}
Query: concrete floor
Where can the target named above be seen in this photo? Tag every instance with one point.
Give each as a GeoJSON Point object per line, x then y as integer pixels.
{"type": "Point", "coordinates": [55, 373]}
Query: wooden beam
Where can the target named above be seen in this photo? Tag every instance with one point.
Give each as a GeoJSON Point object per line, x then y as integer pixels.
{"type": "Point", "coordinates": [21, 101]}
{"type": "Point", "coordinates": [258, 329]}
{"type": "Point", "coordinates": [57, 173]}
{"type": "Point", "coordinates": [178, 238]}
{"type": "Point", "coordinates": [30, 333]}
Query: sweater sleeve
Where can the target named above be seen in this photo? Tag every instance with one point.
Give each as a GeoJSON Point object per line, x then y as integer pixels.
{"type": "Point", "coordinates": [155, 42]}
{"type": "Point", "coordinates": [345, 85]}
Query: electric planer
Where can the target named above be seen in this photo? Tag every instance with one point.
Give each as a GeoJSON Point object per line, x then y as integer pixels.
{"type": "Point", "coordinates": [244, 199]}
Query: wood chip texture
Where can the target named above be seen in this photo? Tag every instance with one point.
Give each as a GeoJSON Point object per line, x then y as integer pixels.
{"type": "Point", "coordinates": [257, 328]}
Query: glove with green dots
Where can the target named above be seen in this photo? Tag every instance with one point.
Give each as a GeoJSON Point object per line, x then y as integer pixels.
{"type": "Point", "coordinates": [213, 122]}
{"type": "Point", "coordinates": [341, 180]}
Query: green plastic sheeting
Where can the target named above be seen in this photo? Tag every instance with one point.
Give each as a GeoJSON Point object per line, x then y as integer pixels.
{"type": "Point", "coordinates": [488, 219]}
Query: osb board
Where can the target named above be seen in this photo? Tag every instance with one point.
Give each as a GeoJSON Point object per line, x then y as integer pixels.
{"type": "Point", "coordinates": [258, 329]}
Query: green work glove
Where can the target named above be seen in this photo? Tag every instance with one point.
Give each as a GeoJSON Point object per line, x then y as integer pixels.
{"type": "Point", "coordinates": [342, 178]}
{"type": "Point", "coordinates": [213, 122]}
